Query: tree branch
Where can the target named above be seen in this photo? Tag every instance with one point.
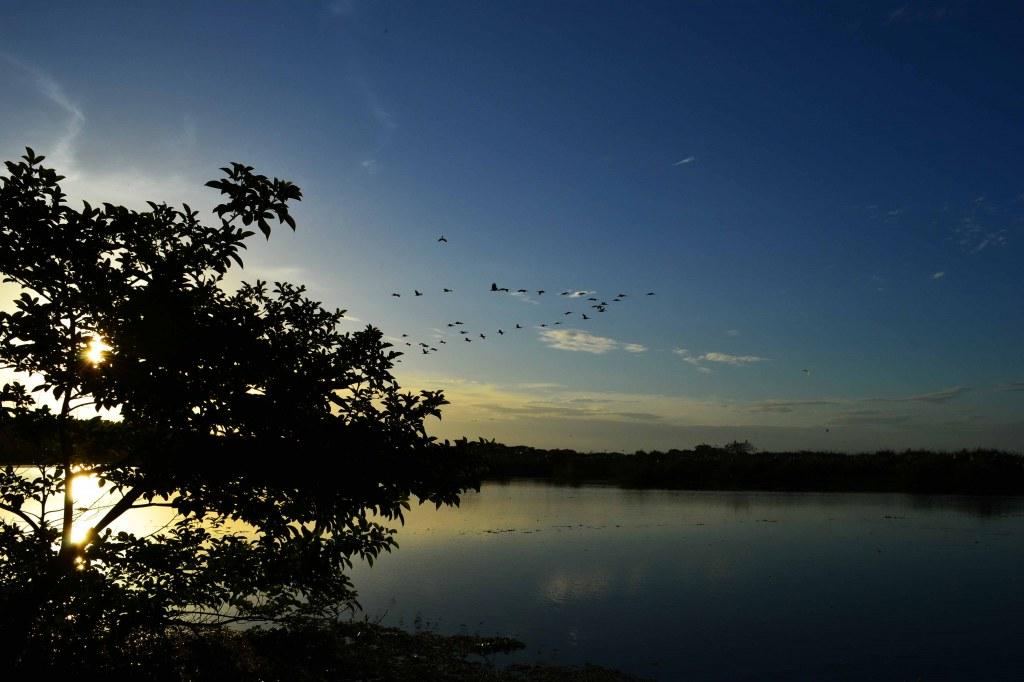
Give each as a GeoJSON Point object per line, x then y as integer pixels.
{"type": "Point", "coordinates": [24, 517]}
{"type": "Point", "coordinates": [123, 505]}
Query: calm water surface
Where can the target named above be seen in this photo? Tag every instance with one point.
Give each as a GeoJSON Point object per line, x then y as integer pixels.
{"type": "Point", "coordinates": [719, 585]}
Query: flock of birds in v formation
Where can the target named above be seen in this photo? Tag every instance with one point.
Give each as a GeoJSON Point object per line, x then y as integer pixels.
{"type": "Point", "coordinates": [597, 304]}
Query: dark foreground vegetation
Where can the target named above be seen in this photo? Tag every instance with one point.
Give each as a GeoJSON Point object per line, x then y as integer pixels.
{"type": "Point", "coordinates": [737, 466]}
{"type": "Point", "coordinates": [339, 652]}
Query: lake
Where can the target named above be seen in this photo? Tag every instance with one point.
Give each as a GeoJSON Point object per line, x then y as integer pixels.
{"type": "Point", "coordinates": [718, 585]}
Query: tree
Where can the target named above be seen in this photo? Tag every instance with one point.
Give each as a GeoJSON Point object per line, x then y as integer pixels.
{"type": "Point", "coordinates": [281, 445]}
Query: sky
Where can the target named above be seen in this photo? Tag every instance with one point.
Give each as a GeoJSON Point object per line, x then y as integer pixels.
{"type": "Point", "coordinates": [826, 199]}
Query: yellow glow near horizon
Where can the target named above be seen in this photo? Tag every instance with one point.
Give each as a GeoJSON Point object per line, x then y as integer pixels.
{"type": "Point", "coordinates": [96, 351]}
{"type": "Point", "coordinates": [86, 491]}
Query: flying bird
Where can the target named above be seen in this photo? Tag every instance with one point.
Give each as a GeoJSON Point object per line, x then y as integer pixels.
{"type": "Point", "coordinates": [442, 239]}
{"type": "Point", "coordinates": [568, 313]}
{"type": "Point", "coordinates": [443, 341]}
{"type": "Point", "coordinates": [650, 293]}
{"type": "Point", "coordinates": [495, 287]}
{"type": "Point", "coordinates": [585, 316]}
{"type": "Point", "coordinates": [467, 339]}
{"type": "Point", "coordinates": [501, 332]}
{"type": "Point", "coordinates": [482, 336]}
{"type": "Point", "coordinates": [518, 326]}
{"type": "Point", "coordinates": [520, 291]}
{"type": "Point", "coordinates": [404, 336]}
{"type": "Point", "coordinates": [806, 371]}
{"type": "Point", "coordinates": [540, 292]}
{"type": "Point", "coordinates": [447, 291]}
{"type": "Point", "coordinates": [396, 295]}
{"type": "Point", "coordinates": [457, 322]}
{"type": "Point", "coordinates": [417, 292]}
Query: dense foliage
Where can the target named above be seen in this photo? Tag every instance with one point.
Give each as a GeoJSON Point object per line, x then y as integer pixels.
{"type": "Point", "coordinates": [280, 445]}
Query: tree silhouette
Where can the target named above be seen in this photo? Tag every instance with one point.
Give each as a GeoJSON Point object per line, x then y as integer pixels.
{"type": "Point", "coordinates": [280, 445]}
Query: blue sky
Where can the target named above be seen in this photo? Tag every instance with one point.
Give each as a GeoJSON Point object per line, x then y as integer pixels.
{"type": "Point", "coordinates": [805, 187]}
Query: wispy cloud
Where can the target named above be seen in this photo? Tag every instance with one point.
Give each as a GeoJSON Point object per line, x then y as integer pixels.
{"type": "Point", "coordinates": [692, 359]}
{"type": "Point", "coordinates": [735, 360]}
{"type": "Point", "coordinates": [939, 275]}
{"type": "Point", "coordinates": [787, 406]}
{"type": "Point", "coordinates": [578, 340]}
{"type": "Point", "coordinates": [982, 226]}
{"type": "Point", "coordinates": [854, 406]}
{"type": "Point", "coordinates": [922, 14]}
{"type": "Point", "coordinates": [1013, 386]}
{"type": "Point", "coordinates": [934, 398]}
{"type": "Point", "coordinates": [732, 332]}
{"type": "Point", "coordinates": [126, 184]}
{"type": "Point", "coordinates": [682, 162]}
{"type": "Point", "coordinates": [869, 418]}
{"type": "Point", "coordinates": [524, 297]}
{"type": "Point", "coordinates": [716, 357]}
{"type": "Point", "coordinates": [548, 410]}
{"type": "Point", "coordinates": [634, 348]}
{"type": "Point", "coordinates": [895, 15]}
{"type": "Point", "coordinates": [62, 150]}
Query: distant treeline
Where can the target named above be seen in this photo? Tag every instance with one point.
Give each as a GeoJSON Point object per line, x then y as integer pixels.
{"type": "Point", "coordinates": [737, 466]}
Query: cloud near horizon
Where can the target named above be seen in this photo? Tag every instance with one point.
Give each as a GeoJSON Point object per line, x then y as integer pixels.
{"type": "Point", "coordinates": [543, 414]}
{"type": "Point", "coordinates": [934, 398]}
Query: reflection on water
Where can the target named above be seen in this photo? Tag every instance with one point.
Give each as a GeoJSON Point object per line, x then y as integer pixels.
{"type": "Point", "coordinates": [718, 585]}
{"type": "Point", "coordinates": [579, 585]}
{"type": "Point", "coordinates": [92, 500]}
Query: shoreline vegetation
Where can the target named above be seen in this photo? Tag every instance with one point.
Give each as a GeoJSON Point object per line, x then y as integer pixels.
{"type": "Point", "coordinates": [738, 466]}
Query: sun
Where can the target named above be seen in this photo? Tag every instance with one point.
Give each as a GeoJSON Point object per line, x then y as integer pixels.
{"type": "Point", "coordinates": [96, 351]}
{"type": "Point", "coordinates": [87, 493]}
